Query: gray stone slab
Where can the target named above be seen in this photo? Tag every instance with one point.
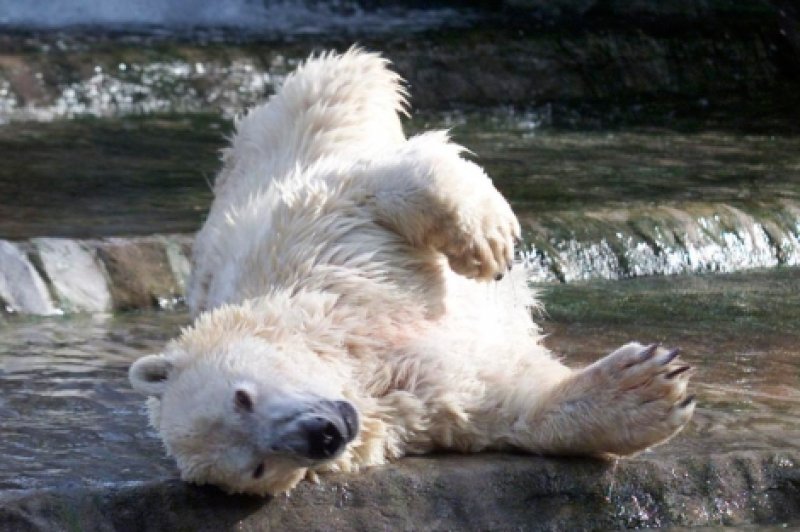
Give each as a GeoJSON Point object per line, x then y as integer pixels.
{"type": "Point", "coordinates": [141, 273]}
{"type": "Point", "coordinates": [78, 279]}
{"type": "Point", "coordinates": [449, 492]}
{"type": "Point", "coordinates": [21, 286]}
{"type": "Point", "coordinates": [179, 252]}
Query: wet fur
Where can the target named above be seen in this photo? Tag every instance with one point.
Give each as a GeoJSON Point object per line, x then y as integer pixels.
{"type": "Point", "coordinates": [342, 261]}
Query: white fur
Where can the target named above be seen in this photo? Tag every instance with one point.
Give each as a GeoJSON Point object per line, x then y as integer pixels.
{"type": "Point", "coordinates": [342, 261]}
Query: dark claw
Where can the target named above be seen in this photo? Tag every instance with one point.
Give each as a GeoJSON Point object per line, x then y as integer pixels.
{"type": "Point", "coordinates": [686, 402]}
{"type": "Point", "coordinates": [674, 373]}
{"type": "Point", "coordinates": [670, 356]}
{"type": "Point", "coordinates": [510, 265]}
{"type": "Point", "coordinates": [498, 277]}
{"type": "Point", "coordinates": [648, 352]}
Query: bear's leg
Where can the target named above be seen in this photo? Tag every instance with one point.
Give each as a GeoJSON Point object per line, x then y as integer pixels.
{"type": "Point", "coordinates": [434, 198]}
{"type": "Point", "coordinates": [625, 402]}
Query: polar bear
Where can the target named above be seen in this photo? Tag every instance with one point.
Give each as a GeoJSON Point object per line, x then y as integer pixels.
{"type": "Point", "coordinates": [356, 300]}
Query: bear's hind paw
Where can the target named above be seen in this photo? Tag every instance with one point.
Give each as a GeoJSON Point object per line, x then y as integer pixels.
{"type": "Point", "coordinates": [646, 393]}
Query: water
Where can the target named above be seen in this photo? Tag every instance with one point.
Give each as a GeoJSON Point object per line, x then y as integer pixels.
{"type": "Point", "coordinates": [611, 190]}
{"type": "Point", "coordinates": [739, 331]}
{"type": "Point", "coordinates": [596, 200]}
{"type": "Point", "coordinates": [90, 178]}
{"type": "Point", "coordinates": [69, 415]}
{"type": "Point", "coordinates": [70, 418]}
{"type": "Point", "coordinates": [258, 17]}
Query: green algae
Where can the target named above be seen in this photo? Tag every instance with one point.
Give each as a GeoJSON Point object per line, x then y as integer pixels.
{"type": "Point", "coordinates": [94, 177]}
{"type": "Point", "coordinates": [155, 171]}
{"type": "Point", "coordinates": [758, 303]}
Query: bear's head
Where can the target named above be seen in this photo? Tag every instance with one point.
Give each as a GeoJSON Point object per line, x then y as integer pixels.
{"type": "Point", "coordinates": [245, 413]}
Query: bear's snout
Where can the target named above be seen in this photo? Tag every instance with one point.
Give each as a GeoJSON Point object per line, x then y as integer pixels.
{"type": "Point", "coordinates": [326, 433]}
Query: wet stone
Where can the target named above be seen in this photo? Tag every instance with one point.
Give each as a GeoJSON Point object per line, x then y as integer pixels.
{"type": "Point", "coordinates": [489, 492]}
{"type": "Point", "coordinates": [506, 68]}
{"type": "Point", "coordinates": [141, 273]}
{"type": "Point", "coordinates": [75, 274]}
{"type": "Point", "coordinates": [179, 253]}
{"type": "Point", "coordinates": [620, 242]}
{"type": "Point", "coordinates": [21, 287]}
{"type": "Point", "coordinates": [636, 241]}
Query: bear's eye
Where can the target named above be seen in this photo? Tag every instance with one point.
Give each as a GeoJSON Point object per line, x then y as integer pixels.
{"type": "Point", "coordinates": [243, 401]}
{"type": "Point", "coordinates": [259, 472]}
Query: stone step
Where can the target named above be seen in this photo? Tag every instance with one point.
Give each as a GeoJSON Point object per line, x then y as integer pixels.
{"type": "Point", "coordinates": [642, 240]}
{"type": "Point", "coordinates": [48, 276]}
{"type": "Point", "coordinates": [450, 492]}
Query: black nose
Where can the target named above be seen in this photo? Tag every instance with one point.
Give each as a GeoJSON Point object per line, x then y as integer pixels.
{"type": "Point", "coordinates": [325, 440]}
{"type": "Point", "coordinates": [328, 429]}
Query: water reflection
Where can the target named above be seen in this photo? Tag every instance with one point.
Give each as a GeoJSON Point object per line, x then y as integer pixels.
{"type": "Point", "coordinates": [739, 331]}
{"type": "Point", "coordinates": [68, 412]}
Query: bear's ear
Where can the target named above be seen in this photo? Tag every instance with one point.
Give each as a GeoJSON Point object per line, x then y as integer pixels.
{"type": "Point", "coordinates": [149, 374]}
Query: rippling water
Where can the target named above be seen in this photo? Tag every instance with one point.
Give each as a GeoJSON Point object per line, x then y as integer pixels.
{"type": "Point", "coordinates": [739, 331]}
{"type": "Point", "coordinates": [68, 412]}
{"type": "Point", "coordinates": [69, 415]}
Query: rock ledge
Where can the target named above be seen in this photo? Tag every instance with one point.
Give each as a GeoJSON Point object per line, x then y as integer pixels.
{"type": "Point", "coordinates": [450, 492]}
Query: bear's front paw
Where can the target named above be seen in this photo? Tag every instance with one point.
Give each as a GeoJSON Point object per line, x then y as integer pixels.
{"type": "Point", "coordinates": [646, 393]}
{"type": "Point", "coordinates": [480, 244]}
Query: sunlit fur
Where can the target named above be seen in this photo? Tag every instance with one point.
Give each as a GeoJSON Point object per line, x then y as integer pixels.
{"type": "Point", "coordinates": [342, 261]}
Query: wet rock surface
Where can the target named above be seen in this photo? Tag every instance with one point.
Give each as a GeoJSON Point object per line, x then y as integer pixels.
{"type": "Point", "coordinates": [76, 276]}
{"type": "Point", "coordinates": [61, 275]}
{"type": "Point", "coordinates": [21, 286]}
{"type": "Point", "coordinates": [528, 53]}
{"type": "Point", "coordinates": [140, 274]}
{"type": "Point", "coordinates": [488, 492]}
{"type": "Point", "coordinates": [47, 276]}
